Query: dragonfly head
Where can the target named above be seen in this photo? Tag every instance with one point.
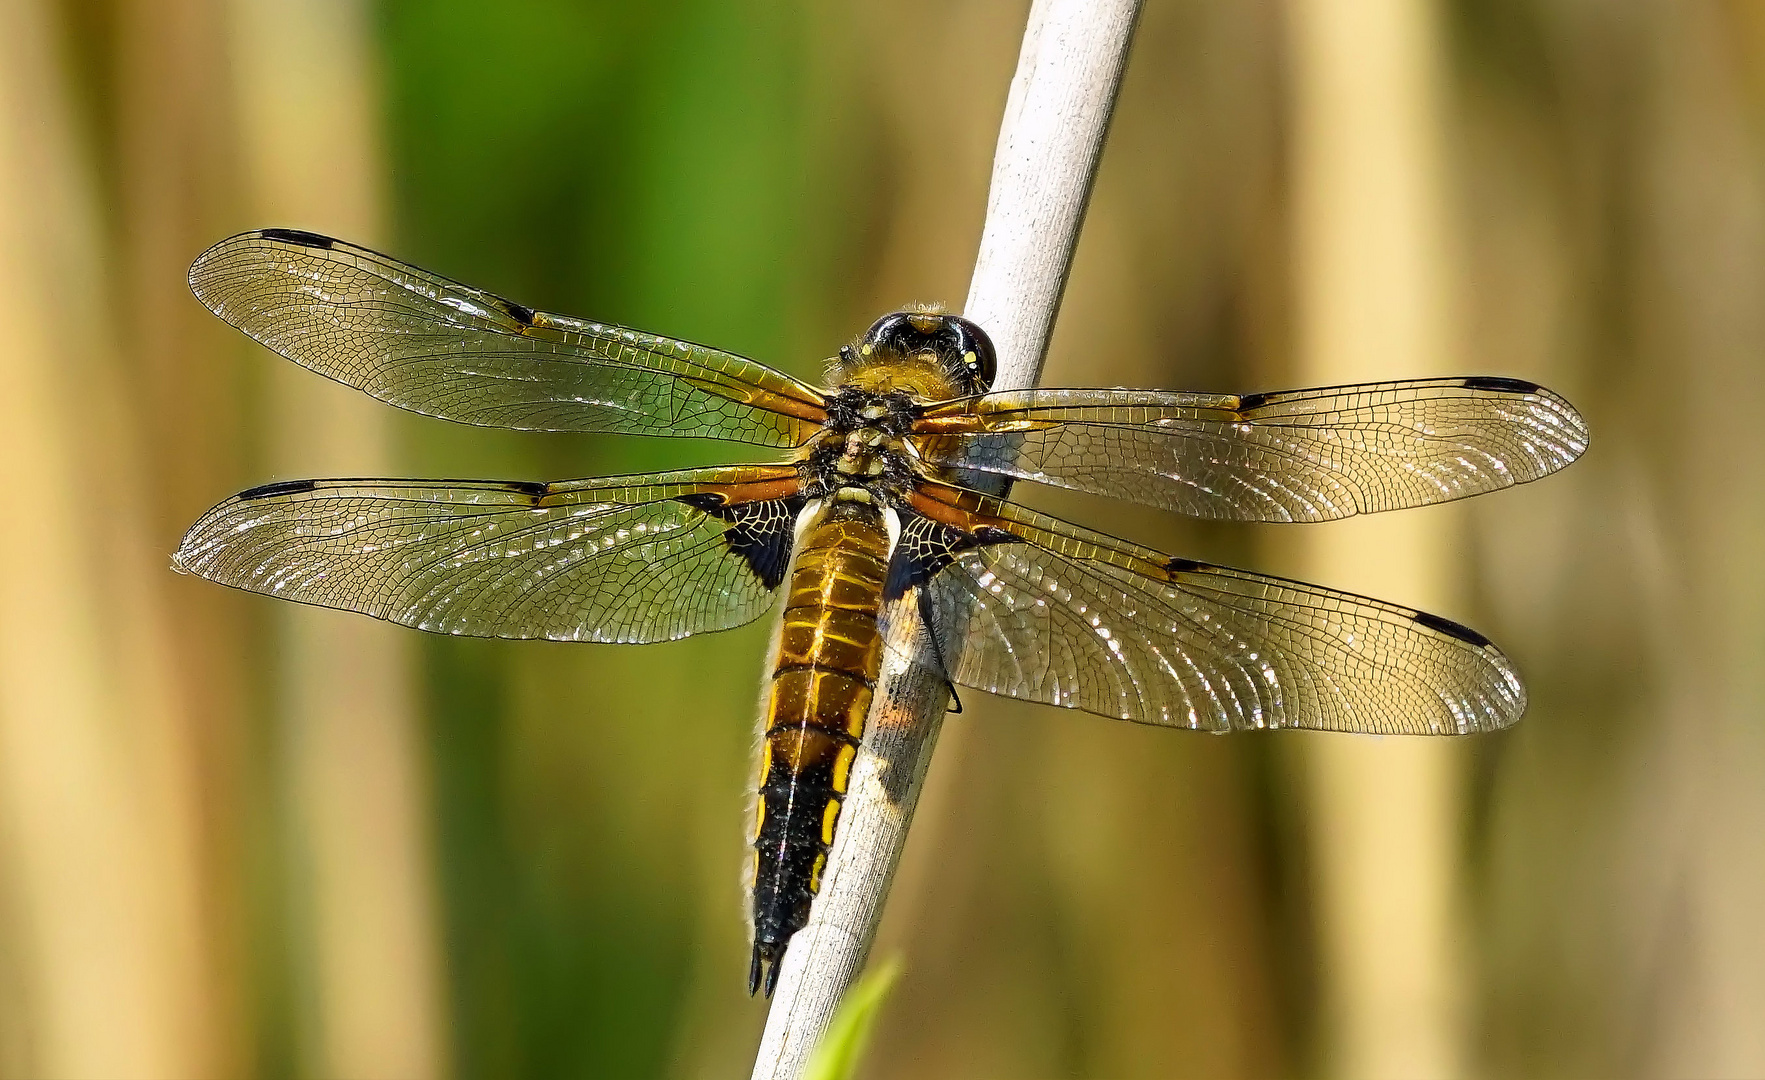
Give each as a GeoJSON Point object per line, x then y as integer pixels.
{"type": "Point", "coordinates": [957, 347]}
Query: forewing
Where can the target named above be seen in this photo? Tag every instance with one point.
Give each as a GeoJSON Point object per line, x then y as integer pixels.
{"type": "Point", "coordinates": [627, 559]}
{"type": "Point", "coordinates": [424, 343]}
{"type": "Point", "coordinates": [1298, 455]}
{"type": "Point", "coordinates": [1038, 609]}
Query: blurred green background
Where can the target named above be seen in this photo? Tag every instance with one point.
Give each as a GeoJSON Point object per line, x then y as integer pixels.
{"type": "Point", "coordinates": [240, 840]}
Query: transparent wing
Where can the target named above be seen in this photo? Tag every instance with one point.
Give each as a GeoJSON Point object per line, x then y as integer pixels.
{"type": "Point", "coordinates": [1046, 611]}
{"type": "Point", "coordinates": [1298, 455]}
{"type": "Point", "coordinates": [630, 559]}
{"type": "Point", "coordinates": [424, 343]}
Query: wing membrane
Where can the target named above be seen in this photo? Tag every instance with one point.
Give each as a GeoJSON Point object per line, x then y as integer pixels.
{"type": "Point", "coordinates": [424, 343]}
{"type": "Point", "coordinates": [1046, 611]}
{"type": "Point", "coordinates": [1299, 455]}
{"type": "Point", "coordinates": [627, 559]}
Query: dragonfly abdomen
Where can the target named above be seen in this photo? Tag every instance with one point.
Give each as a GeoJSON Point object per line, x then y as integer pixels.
{"type": "Point", "coordinates": [828, 654]}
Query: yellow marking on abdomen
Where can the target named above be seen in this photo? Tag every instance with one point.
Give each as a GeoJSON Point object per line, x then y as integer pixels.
{"type": "Point", "coordinates": [829, 818]}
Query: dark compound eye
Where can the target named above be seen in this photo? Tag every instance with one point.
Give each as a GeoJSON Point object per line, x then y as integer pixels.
{"type": "Point", "coordinates": [888, 334]}
{"type": "Point", "coordinates": [976, 349]}
{"type": "Point", "coordinates": [961, 347]}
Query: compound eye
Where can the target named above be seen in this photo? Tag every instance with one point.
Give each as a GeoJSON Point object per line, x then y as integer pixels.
{"type": "Point", "coordinates": [887, 332]}
{"type": "Point", "coordinates": [976, 350]}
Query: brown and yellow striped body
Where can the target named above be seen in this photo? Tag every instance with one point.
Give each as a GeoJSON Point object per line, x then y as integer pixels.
{"type": "Point", "coordinates": [828, 654]}
{"type": "Point", "coordinates": [856, 474]}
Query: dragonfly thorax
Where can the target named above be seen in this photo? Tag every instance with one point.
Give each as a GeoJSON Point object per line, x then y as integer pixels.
{"type": "Point", "coordinates": [863, 444]}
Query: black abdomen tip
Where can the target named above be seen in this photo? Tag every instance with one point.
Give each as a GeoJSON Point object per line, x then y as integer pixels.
{"type": "Point", "coordinates": [763, 968]}
{"type": "Point", "coordinates": [299, 236]}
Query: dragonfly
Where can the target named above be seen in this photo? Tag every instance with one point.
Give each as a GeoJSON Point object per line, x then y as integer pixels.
{"type": "Point", "coordinates": [871, 524]}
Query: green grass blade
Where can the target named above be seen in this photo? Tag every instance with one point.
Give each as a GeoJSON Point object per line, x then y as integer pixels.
{"type": "Point", "coordinates": [843, 1046]}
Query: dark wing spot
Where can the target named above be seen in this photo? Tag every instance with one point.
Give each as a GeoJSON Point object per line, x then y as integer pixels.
{"type": "Point", "coordinates": [1501, 384]}
{"type": "Point", "coordinates": [1452, 629]}
{"type": "Point", "coordinates": [711, 502]}
{"type": "Point", "coordinates": [531, 488]}
{"type": "Point", "coordinates": [519, 312]}
{"type": "Point", "coordinates": [927, 546]}
{"type": "Point", "coordinates": [280, 487]}
{"type": "Point", "coordinates": [760, 532]}
{"type": "Point", "coordinates": [1181, 566]}
{"type": "Point", "coordinates": [299, 236]}
{"type": "Point", "coordinates": [1253, 401]}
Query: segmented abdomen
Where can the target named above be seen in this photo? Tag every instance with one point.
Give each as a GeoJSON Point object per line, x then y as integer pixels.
{"type": "Point", "coordinates": [828, 655]}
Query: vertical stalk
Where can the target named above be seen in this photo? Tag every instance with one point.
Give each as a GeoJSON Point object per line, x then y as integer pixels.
{"type": "Point", "coordinates": [107, 943]}
{"type": "Point", "coordinates": [1068, 73]}
{"type": "Point", "coordinates": [371, 1001]}
{"type": "Point", "coordinates": [1371, 264]}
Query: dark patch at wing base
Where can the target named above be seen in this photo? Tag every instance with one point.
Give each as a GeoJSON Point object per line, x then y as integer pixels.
{"type": "Point", "coordinates": [615, 559]}
{"type": "Point", "coordinates": [1074, 618]}
{"type": "Point", "coordinates": [927, 546]}
{"type": "Point", "coordinates": [760, 532]}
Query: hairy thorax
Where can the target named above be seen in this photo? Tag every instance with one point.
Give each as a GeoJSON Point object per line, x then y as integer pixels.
{"type": "Point", "coordinates": [862, 452]}
{"type": "Point", "coordinates": [906, 360]}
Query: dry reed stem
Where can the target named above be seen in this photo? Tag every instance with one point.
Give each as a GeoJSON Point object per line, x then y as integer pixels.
{"type": "Point", "coordinates": [1068, 73]}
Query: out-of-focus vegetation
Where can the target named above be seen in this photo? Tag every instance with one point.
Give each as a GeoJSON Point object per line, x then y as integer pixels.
{"type": "Point", "coordinates": [848, 1036]}
{"type": "Point", "coordinates": [237, 840]}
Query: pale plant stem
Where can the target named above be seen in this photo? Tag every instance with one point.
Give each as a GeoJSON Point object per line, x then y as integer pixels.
{"type": "Point", "coordinates": [1068, 72]}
